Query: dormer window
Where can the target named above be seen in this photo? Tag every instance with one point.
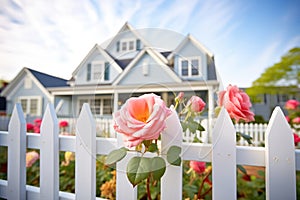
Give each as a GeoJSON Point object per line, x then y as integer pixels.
{"type": "Point", "coordinates": [190, 67]}
{"type": "Point", "coordinates": [127, 45]}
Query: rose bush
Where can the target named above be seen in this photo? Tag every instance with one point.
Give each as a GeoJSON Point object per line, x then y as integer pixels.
{"type": "Point", "coordinates": [141, 118]}
{"type": "Point", "coordinates": [237, 103]}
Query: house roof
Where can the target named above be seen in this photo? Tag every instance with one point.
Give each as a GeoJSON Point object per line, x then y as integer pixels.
{"type": "Point", "coordinates": [42, 80]}
{"type": "Point", "coordinates": [47, 80]}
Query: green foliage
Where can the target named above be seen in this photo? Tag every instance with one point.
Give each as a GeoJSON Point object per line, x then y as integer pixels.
{"type": "Point", "coordinates": [158, 167]}
{"type": "Point", "coordinates": [285, 73]}
{"type": "Point", "coordinates": [116, 155]}
{"type": "Point", "coordinates": [250, 186]}
{"type": "Point", "coordinates": [173, 155]}
{"type": "Point", "coordinates": [138, 169]}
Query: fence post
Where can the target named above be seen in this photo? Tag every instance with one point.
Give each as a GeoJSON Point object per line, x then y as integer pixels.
{"type": "Point", "coordinates": [124, 188]}
{"type": "Point", "coordinates": [224, 158]}
{"type": "Point", "coordinates": [16, 155]}
{"type": "Point", "coordinates": [171, 182]}
{"type": "Point", "coordinates": [280, 158]}
{"type": "Point", "coordinates": [49, 155]}
{"type": "Point", "coordinates": [85, 155]}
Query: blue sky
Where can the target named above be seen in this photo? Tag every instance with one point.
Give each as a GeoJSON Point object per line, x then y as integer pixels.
{"type": "Point", "coordinates": [246, 36]}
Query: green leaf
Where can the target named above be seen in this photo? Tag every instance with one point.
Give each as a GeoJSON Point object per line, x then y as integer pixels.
{"type": "Point", "coordinates": [184, 126]}
{"type": "Point", "coordinates": [173, 155]}
{"type": "Point", "coordinates": [200, 127]}
{"type": "Point", "coordinates": [158, 167]}
{"type": "Point", "coordinates": [153, 148]}
{"type": "Point", "coordinates": [193, 126]}
{"type": "Point", "coordinates": [138, 169]}
{"type": "Point", "coordinates": [242, 169]}
{"type": "Point", "coordinates": [115, 156]}
{"type": "Point", "coordinates": [246, 137]}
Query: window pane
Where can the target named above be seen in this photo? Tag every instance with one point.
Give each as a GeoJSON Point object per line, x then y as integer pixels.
{"type": "Point", "coordinates": [107, 106]}
{"type": "Point", "coordinates": [97, 71]}
{"type": "Point", "coordinates": [97, 106]}
{"type": "Point", "coordinates": [131, 45]}
{"type": "Point", "coordinates": [33, 106]}
{"type": "Point", "coordinates": [184, 68]}
{"type": "Point", "coordinates": [24, 105]}
{"type": "Point", "coordinates": [124, 46]}
{"type": "Point", "coordinates": [195, 67]}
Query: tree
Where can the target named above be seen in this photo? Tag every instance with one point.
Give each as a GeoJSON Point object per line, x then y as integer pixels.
{"type": "Point", "coordinates": [282, 77]}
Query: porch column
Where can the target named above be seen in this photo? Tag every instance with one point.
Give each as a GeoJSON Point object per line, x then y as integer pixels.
{"type": "Point", "coordinates": [116, 99]}
{"type": "Point", "coordinates": [211, 111]}
{"type": "Point", "coordinates": [164, 96]}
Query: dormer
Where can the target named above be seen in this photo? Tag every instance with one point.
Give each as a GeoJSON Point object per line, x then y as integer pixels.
{"type": "Point", "coordinates": [190, 60]}
{"type": "Point", "coordinates": [126, 44]}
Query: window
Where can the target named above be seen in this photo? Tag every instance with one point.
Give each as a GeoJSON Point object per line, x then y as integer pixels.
{"type": "Point", "coordinates": [127, 45]}
{"type": "Point", "coordinates": [98, 71]}
{"type": "Point", "coordinates": [184, 68]}
{"type": "Point", "coordinates": [31, 105]}
{"type": "Point", "coordinates": [190, 67]}
{"type": "Point", "coordinates": [99, 106]}
{"type": "Point", "coordinates": [195, 67]}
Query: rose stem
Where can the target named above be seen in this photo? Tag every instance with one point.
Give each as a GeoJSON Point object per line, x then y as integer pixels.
{"type": "Point", "coordinates": [148, 188]}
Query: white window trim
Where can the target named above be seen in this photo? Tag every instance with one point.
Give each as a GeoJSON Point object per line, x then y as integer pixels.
{"type": "Point", "coordinates": [127, 46]}
{"type": "Point", "coordinates": [102, 63]}
{"type": "Point", "coordinates": [39, 104]}
{"type": "Point", "coordinates": [189, 59]}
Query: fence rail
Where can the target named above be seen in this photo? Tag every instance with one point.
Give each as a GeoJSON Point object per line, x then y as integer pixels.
{"type": "Point", "coordinates": [279, 157]}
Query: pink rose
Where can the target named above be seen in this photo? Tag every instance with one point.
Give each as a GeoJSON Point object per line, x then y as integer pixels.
{"type": "Point", "coordinates": [292, 104]}
{"type": "Point", "coordinates": [296, 120]}
{"type": "Point", "coordinates": [287, 118]}
{"type": "Point", "coordinates": [196, 104]}
{"type": "Point", "coordinates": [31, 157]}
{"type": "Point", "coordinates": [197, 166]}
{"type": "Point", "coordinates": [237, 103]}
{"type": "Point", "coordinates": [141, 118]}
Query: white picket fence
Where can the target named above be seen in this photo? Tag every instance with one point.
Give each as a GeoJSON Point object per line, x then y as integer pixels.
{"type": "Point", "coordinates": [279, 158]}
{"type": "Point", "coordinates": [104, 128]}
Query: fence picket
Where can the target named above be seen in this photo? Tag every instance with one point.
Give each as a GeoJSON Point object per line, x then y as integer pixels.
{"type": "Point", "coordinates": [49, 155]}
{"type": "Point", "coordinates": [85, 166]}
{"type": "Point", "coordinates": [126, 190]}
{"type": "Point", "coordinates": [16, 167]}
{"type": "Point", "coordinates": [224, 158]}
{"type": "Point", "coordinates": [171, 182]}
{"type": "Point", "coordinates": [280, 157]}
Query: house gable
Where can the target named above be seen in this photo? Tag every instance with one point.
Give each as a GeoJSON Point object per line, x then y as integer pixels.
{"type": "Point", "coordinates": [149, 67]}
{"type": "Point", "coordinates": [191, 60]}
{"type": "Point", "coordinates": [26, 89]}
{"type": "Point", "coordinates": [98, 67]}
{"type": "Point", "coordinates": [126, 44]}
